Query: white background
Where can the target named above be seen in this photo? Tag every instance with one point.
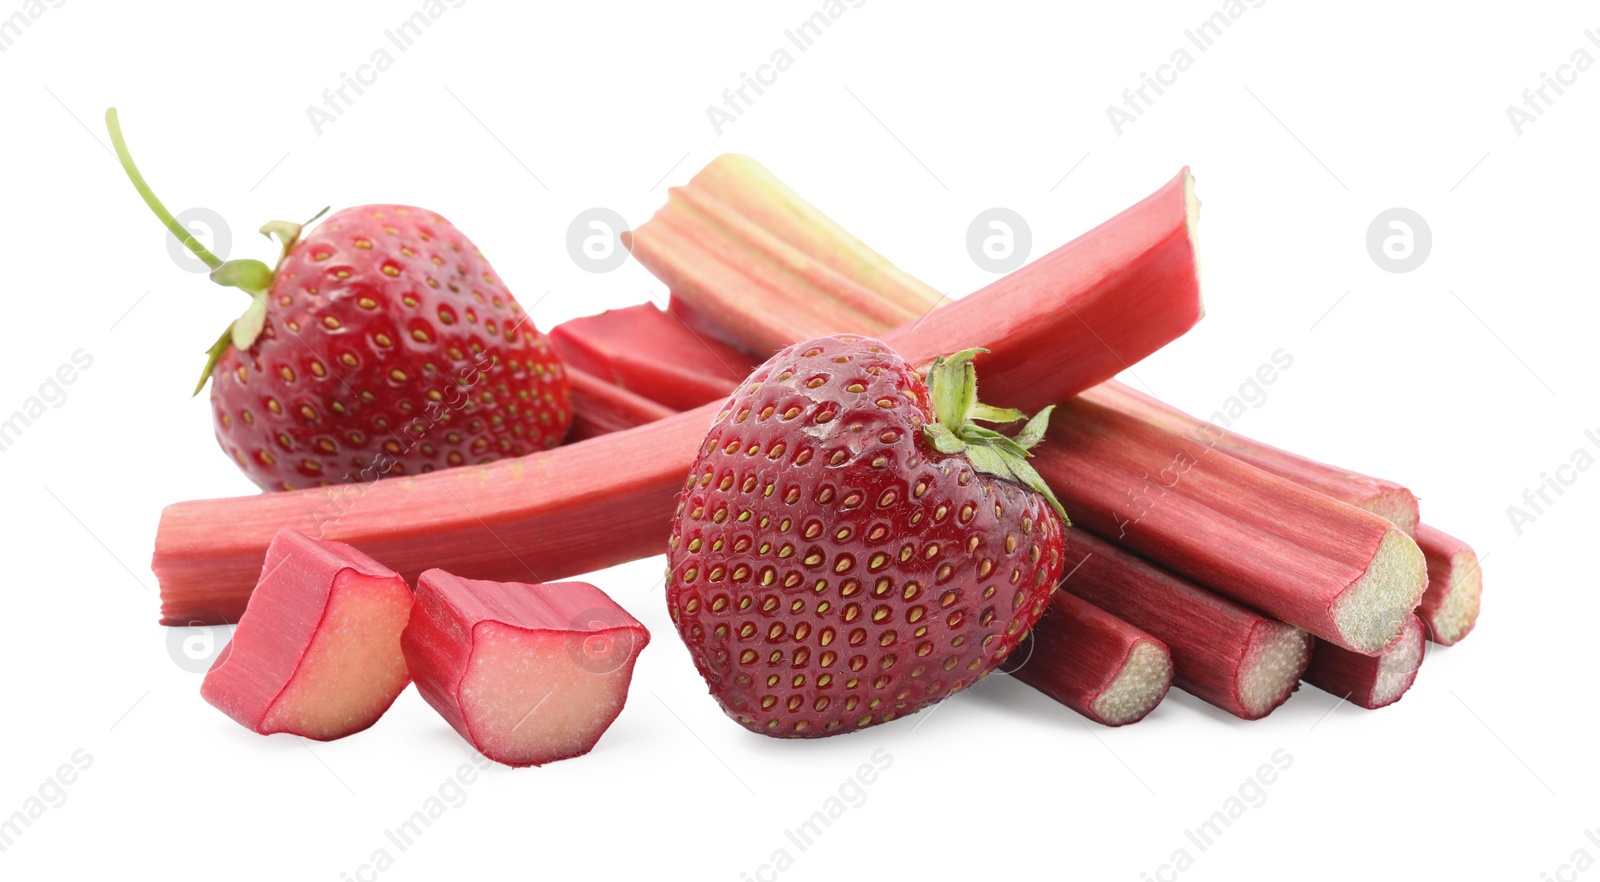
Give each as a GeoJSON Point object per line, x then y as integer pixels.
{"type": "Point", "coordinates": [1466, 379]}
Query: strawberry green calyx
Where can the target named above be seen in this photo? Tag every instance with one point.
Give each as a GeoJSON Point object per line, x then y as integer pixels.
{"type": "Point", "coordinates": [248, 275]}
{"type": "Point", "coordinates": [953, 385]}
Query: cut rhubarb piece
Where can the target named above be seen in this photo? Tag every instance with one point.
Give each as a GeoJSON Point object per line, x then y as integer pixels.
{"type": "Point", "coordinates": [317, 651]}
{"type": "Point", "coordinates": [1074, 319]}
{"type": "Point", "coordinates": [1222, 653]}
{"type": "Point", "coordinates": [680, 369]}
{"type": "Point", "coordinates": [1455, 586]}
{"type": "Point", "coordinates": [1093, 662]}
{"type": "Point", "coordinates": [528, 674]}
{"type": "Point", "coordinates": [1370, 681]}
{"type": "Point", "coordinates": [599, 407]}
{"type": "Point", "coordinates": [1306, 559]}
{"type": "Point", "coordinates": [1383, 498]}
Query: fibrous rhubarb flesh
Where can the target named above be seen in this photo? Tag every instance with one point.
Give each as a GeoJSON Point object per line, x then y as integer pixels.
{"type": "Point", "coordinates": [1072, 319]}
{"type": "Point", "coordinates": [1093, 662]}
{"type": "Point", "coordinates": [528, 674]}
{"type": "Point", "coordinates": [317, 651]}
{"type": "Point", "coordinates": [1239, 660]}
{"type": "Point", "coordinates": [1370, 681]}
{"type": "Point", "coordinates": [1449, 609]}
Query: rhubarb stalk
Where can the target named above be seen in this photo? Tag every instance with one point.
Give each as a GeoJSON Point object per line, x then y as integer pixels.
{"type": "Point", "coordinates": [1074, 319]}
{"type": "Point", "coordinates": [1384, 498]}
{"type": "Point", "coordinates": [749, 189]}
{"type": "Point", "coordinates": [1345, 575]}
{"type": "Point", "coordinates": [1229, 656]}
{"type": "Point", "coordinates": [1370, 681]}
{"type": "Point", "coordinates": [678, 369]}
{"type": "Point", "coordinates": [1455, 586]}
{"type": "Point", "coordinates": [599, 407]}
{"type": "Point", "coordinates": [1130, 285]}
{"type": "Point", "coordinates": [1093, 662]}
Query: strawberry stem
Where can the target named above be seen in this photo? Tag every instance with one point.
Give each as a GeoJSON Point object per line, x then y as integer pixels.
{"type": "Point", "coordinates": [247, 274]}
{"type": "Point", "coordinates": [149, 196]}
{"type": "Point", "coordinates": [953, 385]}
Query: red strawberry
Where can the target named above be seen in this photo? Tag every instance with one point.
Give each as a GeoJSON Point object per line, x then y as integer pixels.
{"type": "Point", "coordinates": [393, 349]}
{"type": "Point", "coordinates": [850, 548]}
{"type": "Point", "coordinates": [383, 344]}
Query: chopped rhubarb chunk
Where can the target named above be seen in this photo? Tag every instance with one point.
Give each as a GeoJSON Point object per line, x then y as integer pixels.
{"type": "Point", "coordinates": [317, 651]}
{"type": "Point", "coordinates": [528, 674]}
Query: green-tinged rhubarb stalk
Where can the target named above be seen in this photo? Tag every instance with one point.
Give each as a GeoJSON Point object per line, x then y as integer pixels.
{"type": "Point", "coordinates": [747, 188]}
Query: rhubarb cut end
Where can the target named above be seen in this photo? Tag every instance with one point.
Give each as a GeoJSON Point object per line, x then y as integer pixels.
{"type": "Point", "coordinates": [1373, 611]}
{"type": "Point", "coordinates": [1398, 506]}
{"type": "Point", "coordinates": [1274, 661]}
{"type": "Point", "coordinates": [1456, 616]}
{"type": "Point", "coordinates": [533, 697]}
{"type": "Point", "coordinates": [353, 670]}
{"type": "Point", "coordinates": [1191, 222]}
{"type": "Point", "coordinates": [1398, 669]}
{"type": "Point", "coordinates": [1139, 687]}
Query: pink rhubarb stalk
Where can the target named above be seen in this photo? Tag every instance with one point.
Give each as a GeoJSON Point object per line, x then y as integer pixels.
{"type": "Point", "coordinates": [1093, 662]}
{"type": "Point", "coordinates": [1229, 656]}
{"type": "Point", "coordinates": [679, 370]}
{"type": "Point", "coordinates": [1370, 681]}
{"type": "Point", "coordinates": [1384, 498]}
{"type": "Point", "coordinates": [1345, 575]}
{"type": "Point", "coordinates": [1455, 586]}
{"type": "Point", "coordinates": [600, 408]}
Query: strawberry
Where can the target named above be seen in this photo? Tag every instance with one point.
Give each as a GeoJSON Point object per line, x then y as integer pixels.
{"type": "Point", "coordinates": [394, 349]}
{"type": "Point", "coordinates": [382, 344]}
{"type": "Point", "coordinates": [850, 547]}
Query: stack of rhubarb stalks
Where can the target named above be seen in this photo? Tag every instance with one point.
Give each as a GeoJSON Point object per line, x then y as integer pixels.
{"type": "Point", "coordinates": [1207, 560]}
{"type": "Point", "coordinates": [1199, 558]}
